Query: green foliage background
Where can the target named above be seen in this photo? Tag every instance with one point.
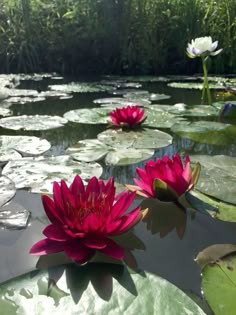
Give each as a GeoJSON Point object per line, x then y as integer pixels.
{"type": "Point", "coordinates": [113, 36]}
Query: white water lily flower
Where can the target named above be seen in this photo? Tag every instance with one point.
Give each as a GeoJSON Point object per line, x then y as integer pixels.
{"type": "Point", "coordinates": [202, 46]}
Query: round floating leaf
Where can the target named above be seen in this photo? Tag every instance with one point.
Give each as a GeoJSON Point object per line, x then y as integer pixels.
{"type": "Point", "coordinates": [88, 115]}
{"type": "Point", "coordinates": [7, 190]}
{"type": "Point", "coordinates": [159, 118]}
{"type": "Point", "coordinates": [12, 146]}
{"type": "Point", "coordinates": [208, 132]}
{"type": "Point", "coordinates": [37, 122]}
{"type": "Point", "coordinates": [196, 110]}
{"type": "Point", "coordinates": [219, 285]}
{"type": "Point", "coordinates": [144, 138]}
{"type": "Point", "coordinates": [38, 174]}
{"type": "Point", "coordinates": [5, 111]}
{"type": "Point", "coordinates": [80, 87]}
{"type": "Point", "coordinates": [217, 177]}
{"type": "Point", "coordinates": [198, 86]}
{"type": "Point", "coordinates": [94, 289]}
{"type": "Point", "coordinates": [14, 216]}
{"type": "Point", "coordinates": [128, 156]}
{"type": "Point", "coordinates": [93, 150]}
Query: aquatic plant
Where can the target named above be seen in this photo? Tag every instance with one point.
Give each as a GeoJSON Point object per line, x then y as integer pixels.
{"type": "Point", "coordinates": [84, 218]}
{"type": "Point", "coordinates": [128, 116]}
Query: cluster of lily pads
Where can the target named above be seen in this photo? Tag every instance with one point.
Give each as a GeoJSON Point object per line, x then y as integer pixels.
{"type": "Point", "coordinates": [132, 137]}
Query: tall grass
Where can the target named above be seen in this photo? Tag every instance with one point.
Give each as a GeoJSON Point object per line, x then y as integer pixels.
{"type": "Point", "coordinates": [113, 36]}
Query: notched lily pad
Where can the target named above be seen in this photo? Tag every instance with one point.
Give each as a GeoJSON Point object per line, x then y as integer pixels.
{"type": "Point", "coordinates": [217, 177]}
{"type": "Point", "coordinates": [208, 132]}
{"type": "Point", "coordinates": [13, 147]}
{"type": "Point", "coordinates": [38, 174]}
{"type": "Point", "coordinates": [7, 190]}
{"type": "Point", "coordinates": [37, 122]}
{"type": "Point", "coordinates": [88, 115]}
{"type": "Point", "coordinates": [140, 139]}
{"type": "Point", "coordinates": [93, 150]}
{"type": "Point", "coordinates": [197, 86]}
{"type": "Point", "coordinates": [81, 87]}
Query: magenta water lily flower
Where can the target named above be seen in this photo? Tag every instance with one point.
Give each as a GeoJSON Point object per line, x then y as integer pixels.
{"type": "Point", "coordinates": [84, 219]}
{"type": "Point", "coordinates": [166, 179]}
{"type": "Point", "coordinates": [129, 116]}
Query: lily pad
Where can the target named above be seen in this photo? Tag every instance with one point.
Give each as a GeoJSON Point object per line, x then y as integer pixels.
{"type": "Point", "coordinates": [93, 150]}
{"type": "Point", "coordinates": [219, 285]}
{"type": "Point", "coordinates": [217, 177]}
{"type": "Point", "coordinates": [5, 111]}
{"type": "Point", "coordinates": [13, 147]}
{"type": "Point", "coordinates": [94, 289]}
{"type": "Point", "coordinates": [38, 174]}
{"type": "Point", "coordinates": [80, 87]}
{"type": "Point", "coordinates": [208, 132]}
{"type": "Point", "coordinates": [159, 118]}
{"type": "Point", "coordinates": [37, 122]}
{"type": "Point", "coordinates": [7, 190]}
{"type": "Point", "coordinates": [140, 139]}
{"type": "Point", "coordinates": [88, 115]}
{"type": "Point", "coordinates": [13, 216]}
{"type": "Point", "coordinates": [194, 85]}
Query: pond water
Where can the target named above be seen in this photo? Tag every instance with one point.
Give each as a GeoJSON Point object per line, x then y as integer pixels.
{"type": "Point", "coordinates": [167, 254]}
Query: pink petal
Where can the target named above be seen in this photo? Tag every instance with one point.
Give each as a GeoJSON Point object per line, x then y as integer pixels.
{"type": "Point", "coordinates": [55, 232]}
{"type": "Point", "coordinates": [113, 250]}
{"type": "Point", "coordinates": [95, 242]}
{"type": "Point", "coordinates": [93, 186]}
{"type": "Point", "coordinates": [77, 251]}
{"type": "Point", "coordinates": [126, 222]}
{"type": "Point", "coordinates": [57, 197]}
{"type": "Point", "coordinates": [77, 187]}
{"type": "Point", "coordinates": [50, 210]}
{"type": "Point", "coordinates": [147, 188]}
{"type": "Point", "coordinates": [143, 175]}
{"type": "Point", "coordinates": [122, 204]}
{"type": "Point", "coordinates": [46, 246]}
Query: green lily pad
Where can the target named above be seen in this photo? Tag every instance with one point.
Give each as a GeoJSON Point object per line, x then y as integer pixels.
{"type": "Point", "coordinates": [88, 115]}
{"type": "Point", "coordinates": [80, 87]}
{"type": "Point", "coordinates": [94, 289]}
{"type": "Point", "coordinates": [219, 285]}
{"type": "Point", "coordinates": [37, 122]}
{"type": "Point", "coordinates": [217, 177]}
{"type": "Point", "coordinates": [91, 150]}
{"type": "Point", "coordinates": [140, 139]}
{"type": "Point", "coordinates": [13, 147]}
{"type": "Point", "coordinates": [7, 190]}
{"type": "Point", "coordinates": [215, 208]}
{"type": "Point", "coordinates": [5, 112]}
{"type": "Point", "coordinates": [208, 132]}
{"type": "Point", "coordinates": [38, 174]}
{"type": "Point", "coordinates": [194, 85]}
{"type": "Point", "coordinates": [159, 118]}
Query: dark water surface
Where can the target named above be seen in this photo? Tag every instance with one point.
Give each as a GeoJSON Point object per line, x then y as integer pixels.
{"type": "Point", "coordinates": [169, 256]}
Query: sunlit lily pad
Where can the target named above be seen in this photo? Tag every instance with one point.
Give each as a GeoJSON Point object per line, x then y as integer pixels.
{"type": "Point", "coordinates": [94, 289]}
{"type": "Point", "coordinates": [219, 285]}
{"type": "Point", "coordinates": [5, 112]}
{"type": "Point", "coordinates": [7, 190]}
{"type": "Point", "coordinates": [121, 102]}
{"type": "Point", "coordinates": [12, 147]}
{"type": "Point", "coordinates": [93, 150]}
{"type": "Point", "coordinates": [14, 216]}
{"type": "Point", "coordinates": [37, 122]}
{"type": "Point", "coordinates": [81, 87]}
{"type": "Point", "coordinates": [159, 118]}
{"type": "Point", "coordinates": [39, 173]}
{"type": "Point", "coordinates": [140, 139]}
{"type": "Point", "coordinates": [194, 85]}
{"type": "Point", "coordinates": [208, 132]}
{"type": "Point", "coordinates": [217, 177]}
{"type": "Point", "coordinates": [88, 115]}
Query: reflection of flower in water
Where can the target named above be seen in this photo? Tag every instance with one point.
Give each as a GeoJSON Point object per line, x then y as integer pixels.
{"type": "Point", "coordinates": [85, 220]}
{"type": "Point", "coordinates": [163, 217]}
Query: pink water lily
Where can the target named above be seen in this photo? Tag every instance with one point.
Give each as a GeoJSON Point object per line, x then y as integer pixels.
{"type": "Point", "coordinates": [166, 179]}
{"type": "Point", "coordinates": [129, 116]}
{"type": "Point", "coordinates": [84, 219]}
